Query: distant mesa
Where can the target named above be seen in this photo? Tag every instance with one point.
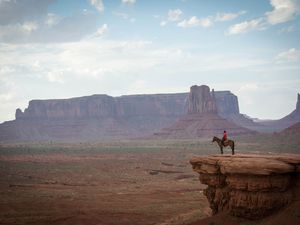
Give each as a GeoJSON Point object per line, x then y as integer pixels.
{"type": "Point", "coordinates": [202, 119]}
{"type": "Point", "coordinates": [180, 115]}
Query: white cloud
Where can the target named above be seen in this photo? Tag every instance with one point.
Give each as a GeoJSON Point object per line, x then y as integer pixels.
{"type": "Point", "coordinates": [194, 21]}
{"type": "Point", "coordinates": [98, 4]}
{"type": "Point", "coordinates": [248, 87]}
{"type": "Point", "coordinates": [246, 26]}
{"type": "Point", "coordinates": [29, 27]}
{"type": "Point", "coordinates": [17, 31]}
{"type": "Point", "coordinates": [102, 30]}
{"type": "Point", "coordinates": [228, 16]}
{"type": "Point", "coordinates": [55, 76]}
{"type": "Point", "coordinates": [129, 1]}
{"type": "Point", "coordinates": [51, 28]}
{"type": "Point", "coordinates": [163, 23]}
{"type": "Point", "coordinates": [284, 10]}
{"type": "Point", "coordinates": [290, 55]}
{"type": "Point", "coordinates": [174, 15]}
{"type": "Point", "coordinates": [52, 19]}
{"type": "Point", "coordinates": [124, 16]}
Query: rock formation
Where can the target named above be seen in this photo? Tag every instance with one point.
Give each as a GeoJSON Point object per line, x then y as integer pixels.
{"type": "Point", "coordinates": [101, 116]}
{"type": "Point", "coordinates": [202, 119]}
{"type": "Point", "coordinates": [201, 100]}
{"type": "Point", "coordinates": [249, 186]}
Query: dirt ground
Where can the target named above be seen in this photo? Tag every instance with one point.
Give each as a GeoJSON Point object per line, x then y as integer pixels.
{"type": "Point", "coordinates": [105, 183]}
{"type": "Point", "coordinates": [82, 184]}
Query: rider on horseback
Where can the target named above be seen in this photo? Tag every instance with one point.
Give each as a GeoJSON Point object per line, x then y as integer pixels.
{"type": "Point", "coordinates": [224, 137]}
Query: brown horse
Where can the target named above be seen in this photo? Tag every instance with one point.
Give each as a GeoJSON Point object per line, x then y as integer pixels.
{"type": "Point", "coordinates": [226, 143]}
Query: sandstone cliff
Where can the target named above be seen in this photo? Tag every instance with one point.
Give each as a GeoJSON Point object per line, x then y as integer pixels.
{"type": "Point", "coordinates": [202, 119]}
{"type": "Point", "coordinates": [249, 186]}
{"type": "Point", "coordinates": [103, 116]}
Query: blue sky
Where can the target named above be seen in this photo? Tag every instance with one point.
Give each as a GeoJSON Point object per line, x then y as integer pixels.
{"type": "Point", "coordinates": [61, 49]}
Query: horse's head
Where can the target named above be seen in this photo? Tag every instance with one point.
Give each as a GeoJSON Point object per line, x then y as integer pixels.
{"type": "Point", "coordinates": [214, 139]}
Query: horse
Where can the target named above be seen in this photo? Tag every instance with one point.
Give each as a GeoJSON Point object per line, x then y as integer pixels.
{"type": "Point", "coordinates": [225, 144]}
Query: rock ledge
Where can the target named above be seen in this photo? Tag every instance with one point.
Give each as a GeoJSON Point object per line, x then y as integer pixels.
{"type": "Point", "coordinates": [249, 186]}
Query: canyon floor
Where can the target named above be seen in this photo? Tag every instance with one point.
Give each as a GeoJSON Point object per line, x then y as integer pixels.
{"type": "Point", "coordinates": [113, 183]}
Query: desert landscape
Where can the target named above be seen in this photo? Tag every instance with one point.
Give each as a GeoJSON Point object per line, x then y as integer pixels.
{"type": "Point", "coordinates": [148, 179]}
{"type": "Point", "coordinates": [138, 112]}
{"type": "Point", "coordinates": [115, 182]}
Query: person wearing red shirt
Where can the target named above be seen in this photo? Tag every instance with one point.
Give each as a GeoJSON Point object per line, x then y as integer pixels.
{"type": "Point", "coordinates": [224, 137]}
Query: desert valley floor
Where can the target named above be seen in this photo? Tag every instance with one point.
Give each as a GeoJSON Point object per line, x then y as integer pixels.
{"type": "Point", "coordinates": [111, 183]}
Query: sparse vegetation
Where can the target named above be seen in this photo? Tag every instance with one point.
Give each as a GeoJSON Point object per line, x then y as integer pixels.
{"type": "Point", "coordinates": [61, 183]}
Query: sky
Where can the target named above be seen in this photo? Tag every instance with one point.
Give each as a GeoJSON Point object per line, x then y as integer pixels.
{"type": "Point", "coordinates": [53, 49]}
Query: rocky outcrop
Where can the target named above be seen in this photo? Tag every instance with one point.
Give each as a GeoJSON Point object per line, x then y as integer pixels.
{"type": "Point", "coordinates": [201, 100]}
{"type": "Point", "coordinates": [227, 103]}
{"type": "Point", "coordinates": [202, 119]}
{"type": "Point", "coordinates": [249, 186]}
{"type": "Point", "coordinates": [102, 116]}
{"type": "Point", "coordinates": [94, 117]}
{"type": "Point", "coordinates": [103, 106]}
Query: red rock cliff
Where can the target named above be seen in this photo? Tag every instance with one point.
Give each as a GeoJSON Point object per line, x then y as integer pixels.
{"type": "Point", "coordinates": [249, 186]}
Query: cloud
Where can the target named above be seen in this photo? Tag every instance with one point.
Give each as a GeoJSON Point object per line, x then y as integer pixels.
{"type": "Point", "coordinates": [11, 33]}
{"type": "Point", "coordinates": [248, 87]}
{"type": "Point", "coordinates": [194, 21]}
{"type": "Point", "coordinates": [51, 28]}
{"type": "Point", "coordinates": [52, 19]}
{"type": "Point", "coordinates": [163, 23]}
{"type": "Point", "coordinates": [129, 1]}
{"type": "Point", "coordinates": [56, 76]}
{"type": "Point", "coordinates": [98, 4]}
{"type": "Point", "coordinates": [174, 15]}
{"type": "Point", "coordinates": [290, 55]}
{"type": "Point", "coordinates": [221, 17]}
{"type": "Point", "coordinates": [18, 11]}
{"type": "Point", "coordinates": [124, 16]}
{"type": "Point", "coordinates": [101, 31]}
{"type": "Point", "coordinates": [246, 26]}
{"type": "Point", "coordinates": [209, 20]}
{"type": "Point", "coordinates": [284, 10]}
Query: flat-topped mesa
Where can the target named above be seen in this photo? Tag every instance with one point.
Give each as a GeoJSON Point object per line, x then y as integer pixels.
{"type": "Point", "coordinates": [201, 100]}
{"type": "Point", "coordinates": [249, 186]}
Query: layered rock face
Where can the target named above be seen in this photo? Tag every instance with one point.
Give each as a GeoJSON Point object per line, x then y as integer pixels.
{"type": "Point", "coordinates": [103, 116]}
{"type": "Point", "coordinates": [202, 119]}
{"type": "Point", "coordinates": [201, 101]}
{"type": "Point", "coordinates": [249, 186]}
{"type": "Point", "coordinates": [102, 106]}
{"type": "Point", "coordinates": [94, 117]}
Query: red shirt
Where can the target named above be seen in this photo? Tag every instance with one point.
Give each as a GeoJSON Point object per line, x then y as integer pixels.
{"type": "Point", "coordinates": [225, 136]}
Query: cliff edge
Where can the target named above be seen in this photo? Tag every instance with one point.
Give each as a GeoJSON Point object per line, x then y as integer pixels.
{"type": "Point", "coordinates": [249, 186]}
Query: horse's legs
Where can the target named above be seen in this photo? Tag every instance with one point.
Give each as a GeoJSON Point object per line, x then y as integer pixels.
{"type": "Point", "coordinates": [232, 151]}
{"type": "Point", "coordinates": [221, 148]}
